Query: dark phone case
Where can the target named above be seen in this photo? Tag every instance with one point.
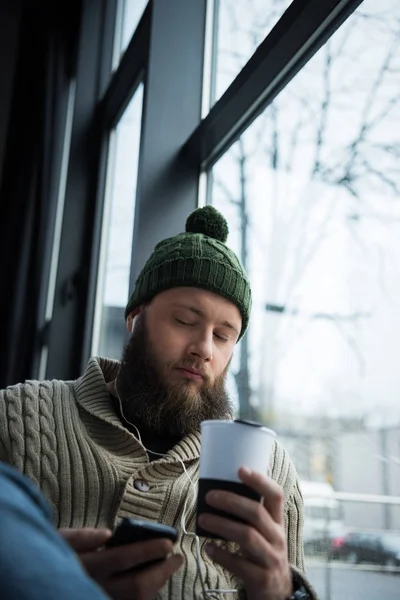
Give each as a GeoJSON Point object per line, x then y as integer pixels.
{"type": "Point", "coordinates": [129, 531]}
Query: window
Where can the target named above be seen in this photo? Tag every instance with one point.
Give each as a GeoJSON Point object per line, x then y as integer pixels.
{"type": "Point", "coordinates": [241, 27]}
{"type": "Point", "coordinates": [322, 512]}
{"type": "Point", "coordinates": [311, 191]}
{"type": "Point", "coordinates": [128, 16]}
{"type": "Point", "coordinates": [118, 220]}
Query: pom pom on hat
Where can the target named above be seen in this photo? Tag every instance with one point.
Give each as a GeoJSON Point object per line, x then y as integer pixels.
{"type": "Point", "coordinates": [208, 221]}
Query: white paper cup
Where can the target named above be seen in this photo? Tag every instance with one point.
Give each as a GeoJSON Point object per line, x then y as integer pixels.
{"type": "Point", "coordinates": [225, 447]}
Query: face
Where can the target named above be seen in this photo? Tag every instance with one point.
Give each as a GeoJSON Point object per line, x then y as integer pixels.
{"type": "Point", "coordinates": [196, 330]}
{"type": "Point", "coordinates": [173, 371]}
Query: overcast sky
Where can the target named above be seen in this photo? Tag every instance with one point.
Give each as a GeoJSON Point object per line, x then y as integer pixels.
{"type": "Point", "coordinates": [315, 245]}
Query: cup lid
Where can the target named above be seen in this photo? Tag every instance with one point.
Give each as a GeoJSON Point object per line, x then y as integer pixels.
{"type": "Point", "coordinates": [218, 422]}
{"type": "Point", "coordinates": [246, 422]}
{"type": "Point", "coordinates": [255, 424]}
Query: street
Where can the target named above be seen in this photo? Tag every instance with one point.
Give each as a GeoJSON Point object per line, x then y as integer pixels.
{"type": "Point", "coordinates": [357, 583]}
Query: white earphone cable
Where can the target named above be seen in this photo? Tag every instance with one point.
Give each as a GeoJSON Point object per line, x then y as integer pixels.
{"type": "Point", "coordinates": [206, 593]}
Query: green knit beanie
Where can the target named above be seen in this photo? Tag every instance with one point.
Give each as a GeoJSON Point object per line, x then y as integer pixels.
{"type": "Point", "coordinates": [197, 258]}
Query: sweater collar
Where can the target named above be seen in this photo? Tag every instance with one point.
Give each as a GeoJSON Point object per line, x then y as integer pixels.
{"type": "Point", "coordinates": [93, 396]}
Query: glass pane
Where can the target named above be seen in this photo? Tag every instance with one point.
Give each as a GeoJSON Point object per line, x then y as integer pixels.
{"type": "Point", "coordinates": [242, 26]}
{"type": "Point", "coordinates": [131, 12]}
{"type": "Point", "coordinates": [118, 231]}
{"type": "Point", "coordinates": [311, 191]}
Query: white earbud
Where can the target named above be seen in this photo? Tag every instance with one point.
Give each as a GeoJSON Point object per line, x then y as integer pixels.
{"type": "Point", "coordinates": [130, 325]}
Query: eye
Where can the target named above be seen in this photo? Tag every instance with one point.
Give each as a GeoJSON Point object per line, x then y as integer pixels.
{"type": "Point", "coordinates": [182, 322]}
{"type": "Point", "coordinates": [221, 338]}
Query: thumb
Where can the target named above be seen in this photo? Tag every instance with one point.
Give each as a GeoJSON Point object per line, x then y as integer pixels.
{"type": "Point", "coordinates": [86, 539]}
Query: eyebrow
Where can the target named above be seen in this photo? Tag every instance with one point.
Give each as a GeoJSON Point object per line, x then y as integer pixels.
{"type": "Point", "coordinates": [200, 313]}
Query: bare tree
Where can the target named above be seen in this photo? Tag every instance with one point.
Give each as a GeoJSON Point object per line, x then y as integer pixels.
{"type": "Point", "coordinates": [301, 122]}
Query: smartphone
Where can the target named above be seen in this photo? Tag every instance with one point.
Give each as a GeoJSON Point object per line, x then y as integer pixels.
{"type": "Point", "coordinates": [129, 531]}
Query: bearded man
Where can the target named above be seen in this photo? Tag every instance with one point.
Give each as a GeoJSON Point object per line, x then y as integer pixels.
{"type": "Point", "coordinates": [124, 439]}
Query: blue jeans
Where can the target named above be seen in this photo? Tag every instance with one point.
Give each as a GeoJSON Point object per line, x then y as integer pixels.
{"type": "Point", "coordinates": [35, 562]}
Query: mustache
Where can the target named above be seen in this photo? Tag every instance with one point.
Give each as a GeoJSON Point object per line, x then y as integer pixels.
{"type": "Point", "coordinates": [192, 365]}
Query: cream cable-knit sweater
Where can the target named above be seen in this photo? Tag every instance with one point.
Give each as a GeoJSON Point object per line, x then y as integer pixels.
{"type": "Point", "coordinates": [66, 437]}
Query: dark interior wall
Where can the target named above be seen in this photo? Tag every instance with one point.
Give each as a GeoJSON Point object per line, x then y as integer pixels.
{"type": "Point", "coordinates": [10, 20]}
{"type": "Point", "coordinates": [39, 59]}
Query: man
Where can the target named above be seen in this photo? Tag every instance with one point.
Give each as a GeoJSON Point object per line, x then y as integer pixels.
{"type": "Point", "coordinates": [93, 445]}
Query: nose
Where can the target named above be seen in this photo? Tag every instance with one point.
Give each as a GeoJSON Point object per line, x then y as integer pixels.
{"type": "Point", "coordinates": [202, 346]}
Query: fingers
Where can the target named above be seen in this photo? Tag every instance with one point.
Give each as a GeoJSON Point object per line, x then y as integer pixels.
{"type": "Point", "coordinates": [110, 567]}
{"type": "Point", "coordinates": [270, 491]}
{"type": "Point", "coordinates": [145, 584]}
{"type": "Point", "coordinates": [273, 582]}
{"type": "Point", "coordinates": [87, 539]}
{"type": "Point", "coordinates": [251, 542]}
{"type": "Point", "coordinates": [243, 569]}
{"type": "Point", "coordinates": [253, 513]}
{"type": "Point", "coordinates": [260, 531]}
{"type": "Point", "coordinates": [114, 560]}
{"type": "Point", "coordinates": [262, 563]}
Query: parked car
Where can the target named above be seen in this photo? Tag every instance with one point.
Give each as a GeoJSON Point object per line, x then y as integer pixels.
{"type": "Point", "coordinates": [374, 548]}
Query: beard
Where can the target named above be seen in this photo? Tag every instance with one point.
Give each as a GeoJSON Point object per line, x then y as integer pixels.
{"type": "Point", "coordinates": [148, 398]}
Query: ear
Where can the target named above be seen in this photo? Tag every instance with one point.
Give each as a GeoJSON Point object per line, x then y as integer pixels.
{"type": "Point", "coordinates": [131, 317]}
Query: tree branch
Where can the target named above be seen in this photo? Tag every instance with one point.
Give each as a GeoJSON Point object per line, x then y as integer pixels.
{"type": "Point", "coordinates": [320, 136]}
{"type": "Point", "coordinates": [365, 124]}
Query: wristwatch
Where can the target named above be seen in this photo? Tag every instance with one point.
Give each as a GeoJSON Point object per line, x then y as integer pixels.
{"type": "Point", "coordinates": [299, 591]}
{"type": "Point", "coordinates": [300, 594]}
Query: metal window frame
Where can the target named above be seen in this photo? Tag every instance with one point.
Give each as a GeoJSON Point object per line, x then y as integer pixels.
{"type": "Point", "coordinates": [53, 249]}
{"type": "Point", "coordinates": [302, 30]}
{"type": "Point", "coordinates": [167, 188]}
{"type": "Point", "coordinates": [122, 86]}
{"type": "Point", "coordinates": [94, 61]}
{"type": "Point", "coordinates": [128, 75]}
